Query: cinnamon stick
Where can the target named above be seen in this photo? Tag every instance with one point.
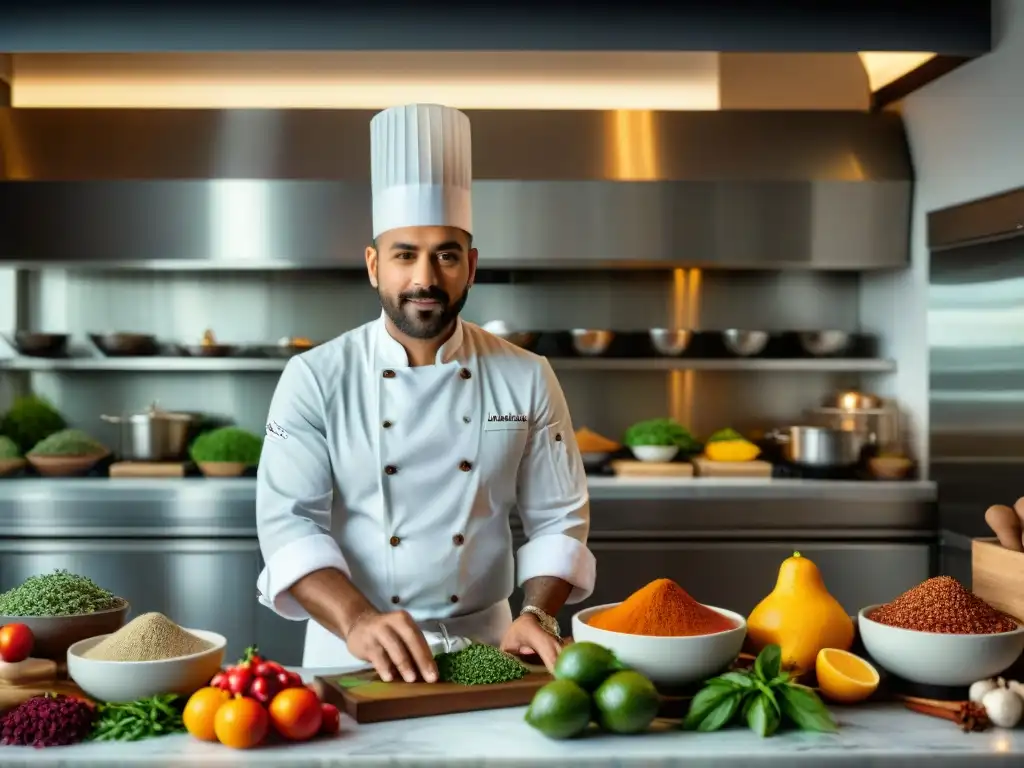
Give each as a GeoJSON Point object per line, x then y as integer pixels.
{"type": "Point", "coordinates": [969, 716]}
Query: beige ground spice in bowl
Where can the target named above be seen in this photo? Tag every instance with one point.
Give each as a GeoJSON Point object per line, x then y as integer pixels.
{"type": "Point", "coordinates": [149, 637]}
{"type": "Point", "coordinates": [148, 656]}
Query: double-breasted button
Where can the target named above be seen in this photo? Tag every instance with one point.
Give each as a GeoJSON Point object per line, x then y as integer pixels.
{"type": "Point", "coordinates": [465, 466]}
{"type": "Point", "coordinates": [386, 424]}
{"type": "Point", "coordinates": [458, 539]}
{"type": "Point", "coordinates": [389, 374]}
{"type": "Point", "coordinates": [558, 437]}
{"type": "Point", "coordinates": [455, 598]}
{"type": "Point", "coordinates": [465, 374]}
{"type": "Point", "coordinates": [390, 469]}
{"type": "Point", "coordinates": [395, 541]}
{"type": "Point", "coordinates": [395, 599]}
{"type": "Point", "coordinates": [466, 419]}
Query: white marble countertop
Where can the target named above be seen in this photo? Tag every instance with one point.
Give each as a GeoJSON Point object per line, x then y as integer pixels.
{"type": "Point", "coordinates": [875, 734]}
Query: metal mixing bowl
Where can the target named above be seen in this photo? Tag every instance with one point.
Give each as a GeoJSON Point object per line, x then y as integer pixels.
{"type": "Point", "coordinates": [821, 343]}
{"type": "Point", "coordinates": [668, 342]}
{"type": "Point", "coordinates": [592, 343]}
{"type": "Point", "coordinates": [745, 343]}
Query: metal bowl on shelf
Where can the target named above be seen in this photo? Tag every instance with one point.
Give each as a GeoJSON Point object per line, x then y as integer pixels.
{"type": "Point", "coordinates": [745, 343]}
{"type": "Point", "coordinates": [668, 342]}
{"type": "Point", "coordinates": [591, 343]}
{"type": "Point", "coordinates": [39, 344]}
{"type": "Point", "coordinates": [824, 343]}
{"type": "Point", "coordinates": [126, 344]}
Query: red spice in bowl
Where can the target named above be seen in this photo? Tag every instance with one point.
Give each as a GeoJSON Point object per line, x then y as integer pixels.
{"type": "Point", "coordinates": [943, 605]}
{"type": "Point", "coordinates": [662, 609]}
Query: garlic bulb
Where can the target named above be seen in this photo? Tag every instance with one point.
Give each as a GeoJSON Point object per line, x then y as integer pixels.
{"type": "Point", "coordinates": [1003, 707]}
{"type": "Point", "coordinates": [979, 689]}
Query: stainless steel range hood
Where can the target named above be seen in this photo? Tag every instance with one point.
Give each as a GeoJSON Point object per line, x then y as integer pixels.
{"type": "Point", "coordinates": [266, 189]}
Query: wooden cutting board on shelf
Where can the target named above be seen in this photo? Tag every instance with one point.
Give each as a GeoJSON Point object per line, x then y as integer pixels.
{"type": "Point", "coordinates": [366, 699]}
{"type": "Point", "coordinates": [147, 469]}
{"type": "Point", "coordinates": [708, 468]}
{"type": "Point", "coordinates": [630, 468]}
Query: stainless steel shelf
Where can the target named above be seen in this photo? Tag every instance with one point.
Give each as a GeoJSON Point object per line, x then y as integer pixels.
{"type": "Point", "coordinates": [239, 364]}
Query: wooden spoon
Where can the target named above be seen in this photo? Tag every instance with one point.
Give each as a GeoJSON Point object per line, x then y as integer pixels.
{"type": "Point", "coordinates": [1006, 525]}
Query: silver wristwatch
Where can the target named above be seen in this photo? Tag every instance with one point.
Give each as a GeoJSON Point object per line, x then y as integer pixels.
{"type": "Point", "coordinates": [547, 622]}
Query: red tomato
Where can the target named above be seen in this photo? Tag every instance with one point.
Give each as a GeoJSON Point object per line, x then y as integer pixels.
{"type": "Point", "coordinates": [239, 679]}
{"type": "Point", "coordinates": [15, 643]}
{"type": "Point", "coordinates": [331, 719]}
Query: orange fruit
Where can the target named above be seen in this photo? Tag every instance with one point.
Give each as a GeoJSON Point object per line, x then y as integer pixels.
{"type": "Point", "coordinates": [296, 713]}
{"type": "Point", "coordinates": [844, 677]}
{"type": "Point", "coordinates": [200, 711]}
{"type": "Point", "coordinates": [241, 723]}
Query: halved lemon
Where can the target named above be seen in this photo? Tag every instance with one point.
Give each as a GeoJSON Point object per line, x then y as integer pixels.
{"type": "Point", "coordinates": [844, 677]}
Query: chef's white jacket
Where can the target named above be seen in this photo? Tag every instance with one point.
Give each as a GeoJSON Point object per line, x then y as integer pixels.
{"type": "Point", "coordinates": [403, 478]}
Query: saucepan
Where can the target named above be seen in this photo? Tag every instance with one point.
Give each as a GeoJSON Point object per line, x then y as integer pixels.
{"type": "Point", "coordinates": [820, 446]}
{"type": "Point", "coordinates": [155, 434]}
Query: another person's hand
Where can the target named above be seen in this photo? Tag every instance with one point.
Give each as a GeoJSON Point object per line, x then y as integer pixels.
{"type": "Point", "coordinates": [392, 641]}
{"type": "Point", "coordinates": [526, 637]}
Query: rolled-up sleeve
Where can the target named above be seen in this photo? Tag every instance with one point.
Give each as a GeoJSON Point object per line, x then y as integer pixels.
{"type": "Point", "coordinates": [552, 497]}
{"type": "Point", "coordinates": [295, 491]}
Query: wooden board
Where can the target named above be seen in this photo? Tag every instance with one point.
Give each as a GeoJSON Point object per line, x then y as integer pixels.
{"type": "Point", "coordinates": [13, 695]}
{"type": "Point", "coordinates": [28, 672]}
{"type": "Point", "coordinates": [997, 576]}
{"type": "Point", "coordinates": [708, 468]}
{"type": "Point", "coordinates": [147, 469]}
{"type": "Point", "coordinates": [366, 699]}
{"type": "Point", "coordinates": [629, 468]}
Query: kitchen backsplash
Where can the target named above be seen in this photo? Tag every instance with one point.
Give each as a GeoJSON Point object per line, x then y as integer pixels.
{"type": "Point", "coordinates": [260, 307]}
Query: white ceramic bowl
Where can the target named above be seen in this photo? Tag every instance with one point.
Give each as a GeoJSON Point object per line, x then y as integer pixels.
{"type": "Point", "coordinates": [932, 658]}
{"type": "Point", "coordinates": [119, 681]}
{"type": "Point", "coordinates": [655, 452]}
{"type": "Point", "coordinates": [667, 661]}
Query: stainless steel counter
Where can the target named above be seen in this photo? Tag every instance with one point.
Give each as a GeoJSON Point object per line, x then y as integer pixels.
{"type": "Point", "coordinates": [188, 547]}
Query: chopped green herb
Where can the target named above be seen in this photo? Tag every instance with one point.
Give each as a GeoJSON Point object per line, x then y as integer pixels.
{"type": "Point", "coordinates": [479, 664]}
{"type": "Point", "coordinates": [60, 593]}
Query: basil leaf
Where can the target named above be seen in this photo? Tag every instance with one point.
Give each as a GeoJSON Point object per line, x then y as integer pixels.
{"type": "Point", "coordinates": [748, 700]}
{"type": "Point", "coordinates": [768, 664]}
{"type": "Point", "coordinates": [767, 693]}
{"type": "Point", "coordinates": [704, 702]}
{"type": "Point", "coordinates": [763, 718]}
{"type": "Point", "coordinates": [721, 715]}
{"type": "Point", "coordinates": [803, 707]}
{"type": "Point", "coordinates": [735, 679]}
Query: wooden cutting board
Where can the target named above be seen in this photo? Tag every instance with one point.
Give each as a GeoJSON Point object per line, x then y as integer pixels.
{"type": "Point", "coordinates": [147, 469]}
{"type": "Point", "coordinates": [366, 699]}
{"type": "Point", "coordinates": [630, 468]}
{"type": "Point", "coordinates": [13, 695]}
{"type": "Point", "coordinates": [708, 468]}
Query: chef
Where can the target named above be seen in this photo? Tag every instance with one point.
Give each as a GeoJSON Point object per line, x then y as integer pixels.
{"type": "Point", "coordinates": [395, 453]}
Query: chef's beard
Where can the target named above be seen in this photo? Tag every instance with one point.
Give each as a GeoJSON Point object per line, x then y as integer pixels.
{"type": "Point", "coordinates": [417, 322]}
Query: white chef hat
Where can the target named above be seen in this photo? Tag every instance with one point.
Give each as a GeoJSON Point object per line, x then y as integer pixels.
{"type": "Point", "coordinates": [421, 168]}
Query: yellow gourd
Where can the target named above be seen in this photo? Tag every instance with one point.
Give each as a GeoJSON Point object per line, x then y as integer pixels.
{"type": "Point", "coordinates": [800, 616]}
{"type": "Point", "coordinates": [731, 450]}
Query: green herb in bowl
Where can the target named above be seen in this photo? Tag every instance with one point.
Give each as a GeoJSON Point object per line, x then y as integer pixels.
{"type": "Point", "coordinates": [8, 449]}
{"type": "Point", "coordinates": [68, 443]}
{"type": "Point", "coordinates": [227, 444]}
{"type": "Point", "coordinates": [664, 433]}
{"type": "Point", "coordinates": [30, 420]}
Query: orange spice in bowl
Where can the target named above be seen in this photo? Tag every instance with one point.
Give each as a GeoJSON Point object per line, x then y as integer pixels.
{"type": "Point", "coordinates": [661, 609]}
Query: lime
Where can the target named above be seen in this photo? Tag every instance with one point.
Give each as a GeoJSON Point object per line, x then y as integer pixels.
{"type": "Point", "coordinates": [559, 710]}
{"type": "Point", "coordinates": [586, 664]}
{"type": "Point", "coordinates": [626, 702]}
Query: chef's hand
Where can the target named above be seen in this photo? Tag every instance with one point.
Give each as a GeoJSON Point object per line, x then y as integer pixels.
{"type": "Point", "coordinates": [526, 637]}
{"type": "Point", "coordinates": [392, 641]}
